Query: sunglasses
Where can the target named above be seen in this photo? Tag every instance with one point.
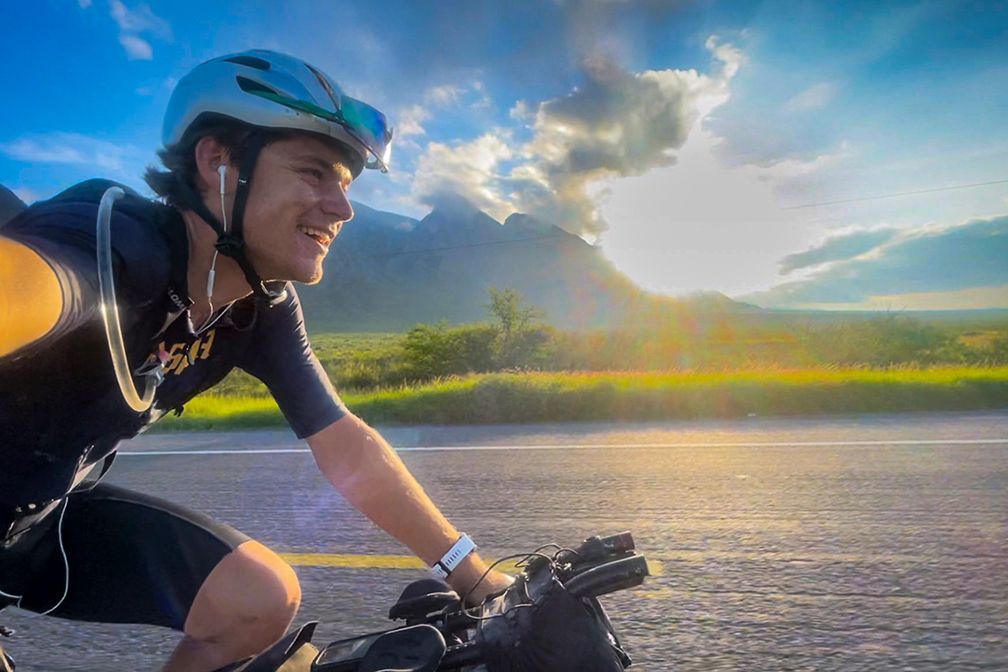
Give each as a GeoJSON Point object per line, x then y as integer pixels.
{"type": "Point", "coordinates": [366, 124]}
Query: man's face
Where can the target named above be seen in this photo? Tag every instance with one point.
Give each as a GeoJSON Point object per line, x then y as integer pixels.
{"type": "Point", "coordinates": [296, 206]}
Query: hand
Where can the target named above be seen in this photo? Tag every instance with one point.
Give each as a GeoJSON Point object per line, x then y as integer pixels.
{"type": "Point", "coordinates": [468, 573]}
{"type": "Point", "coordinates": [494, 582]}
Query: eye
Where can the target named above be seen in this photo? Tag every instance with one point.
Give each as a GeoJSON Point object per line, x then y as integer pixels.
{"type": "Point", "coordinates": [314, 172]}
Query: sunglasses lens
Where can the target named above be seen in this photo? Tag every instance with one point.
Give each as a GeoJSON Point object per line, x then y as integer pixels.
{"type": "Point", "coordinates": [369, 124]}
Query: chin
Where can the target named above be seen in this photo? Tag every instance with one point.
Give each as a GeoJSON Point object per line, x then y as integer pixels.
{"type": "Point", "coordinates": [309, 276]}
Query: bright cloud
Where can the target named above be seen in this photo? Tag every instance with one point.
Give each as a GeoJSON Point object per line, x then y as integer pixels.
{"type": "Point", "coordinates": [446, 94]}
{"type": "Point", "coordinates": [410, 119]}
{"type": "Point", "coordinates": [813, 97]}
{"type": "Point", "coordinates": [136, 48]}
{"type": "Point", "coordinates": [466, 171]}
{"type": "Point", "coordinates": [838, 247]}
{"type": "Point", "coordinates": [134, 22]}
{"type": "Point", "coordinates": [138, 20]}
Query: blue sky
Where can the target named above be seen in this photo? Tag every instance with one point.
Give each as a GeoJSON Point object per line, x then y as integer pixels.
{"type": "Point", "coordinates": [679, 135]}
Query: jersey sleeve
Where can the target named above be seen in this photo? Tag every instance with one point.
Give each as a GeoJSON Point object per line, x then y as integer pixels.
{"type": "Point", "coordinates": [280, 355]}
{"type": "Point", "coordinates": [63, 235]}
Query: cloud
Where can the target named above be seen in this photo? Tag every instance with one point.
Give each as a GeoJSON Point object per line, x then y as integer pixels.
{"type": "Point", "coordinates": [617, 124]}
{"type": "Point", "coordinates": [483, 100]}
{"type": "Point", "coordinates": [84, 4]}
{"type": "Point", "coordinates": [466, 171]}
{"type": "Point", "coordinates": [837, 248]}
{"type": "Point", "coordinates": [134, 22]}
{"type": "Point", "coordinates": [520, 112]}
{"type": "Point", "coordinates": [965, 257]}
{"type": "Point", "coordinates": [444, 95]}
{"type": "Point", "coordinates": [138, 20]}
{"type": "Point", "coordinates": [811, 98]}
{"type": "Point", "coordinates": [410, 120]}
{"type": "Point", "coordinates": [77, 149]}
{"type": "Point", "coordinates": [136, 48]}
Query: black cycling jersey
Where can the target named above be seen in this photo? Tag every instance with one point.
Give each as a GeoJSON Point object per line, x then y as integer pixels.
{"type": "Point", "coordinates": [60, 403]}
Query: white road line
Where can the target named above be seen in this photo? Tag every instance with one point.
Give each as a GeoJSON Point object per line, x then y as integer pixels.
{"type": "Point", "coordinates": [576, 446]}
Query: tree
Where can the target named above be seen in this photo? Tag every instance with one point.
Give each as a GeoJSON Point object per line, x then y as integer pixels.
{"type": "Point", "coordinates": [521, 339]}
{"type": "Point", "coordinates": [508, 307]}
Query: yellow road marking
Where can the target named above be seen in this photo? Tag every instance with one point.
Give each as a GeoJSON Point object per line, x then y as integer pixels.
{"type": "Point", "coordinates": [393, 561]}
{"type": "Point", "coordinates": [348, 560]}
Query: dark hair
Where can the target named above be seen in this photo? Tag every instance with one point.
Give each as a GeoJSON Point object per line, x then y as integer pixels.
{"type": "Point", "coordinates": [180, 159]}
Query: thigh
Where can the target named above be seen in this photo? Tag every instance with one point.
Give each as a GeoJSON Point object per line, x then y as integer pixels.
{"type": "Point", "coordinates": [131, 558]}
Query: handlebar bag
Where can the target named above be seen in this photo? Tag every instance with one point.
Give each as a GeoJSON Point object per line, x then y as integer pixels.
{"type": "Point", "coordinates": [541, 627]}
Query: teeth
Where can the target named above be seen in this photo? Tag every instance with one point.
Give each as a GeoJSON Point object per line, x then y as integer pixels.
{"type": "Point", "coordinates": [319, 235]}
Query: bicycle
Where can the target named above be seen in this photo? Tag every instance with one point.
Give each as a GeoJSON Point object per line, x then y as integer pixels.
{"type": "Point", "coordinates": [548, 620]}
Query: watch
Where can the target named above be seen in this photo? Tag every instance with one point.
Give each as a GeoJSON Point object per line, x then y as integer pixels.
{"type": "Point", "coordinates": [450, 560]}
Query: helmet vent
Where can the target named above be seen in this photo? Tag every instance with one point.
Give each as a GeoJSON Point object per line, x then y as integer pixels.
{"type": "Point", "coordinates": [250, 61]}
{"type": "Point", "coordinates": [252, 86]}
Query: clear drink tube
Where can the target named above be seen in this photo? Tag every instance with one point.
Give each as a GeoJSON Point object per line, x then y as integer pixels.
{"type": "Point", "coordinates": [110, 310]}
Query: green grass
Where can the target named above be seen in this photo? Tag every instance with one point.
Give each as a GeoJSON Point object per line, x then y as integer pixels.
{"type": "Point", "coordinates": [539, 397]}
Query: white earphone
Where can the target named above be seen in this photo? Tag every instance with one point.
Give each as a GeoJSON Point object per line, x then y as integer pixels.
{"type": "Point", "coordinates": [222, 169]}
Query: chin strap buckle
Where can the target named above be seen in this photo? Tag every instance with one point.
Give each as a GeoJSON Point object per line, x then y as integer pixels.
{"type": "Point", "coordinates": [230, 245]}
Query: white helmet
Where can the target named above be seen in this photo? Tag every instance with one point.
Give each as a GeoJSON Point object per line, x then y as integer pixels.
{"type": "Point", "coordinates": [273, 90]}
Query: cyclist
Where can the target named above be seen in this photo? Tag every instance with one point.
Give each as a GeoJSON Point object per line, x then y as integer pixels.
{"type": "Point", "coordinates": [259, 151]}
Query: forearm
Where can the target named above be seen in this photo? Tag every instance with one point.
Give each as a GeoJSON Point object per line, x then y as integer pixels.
{"type": "Point", "coordinates": [369, 474]}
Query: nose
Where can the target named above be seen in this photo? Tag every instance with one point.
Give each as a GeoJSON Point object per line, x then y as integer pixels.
{"type": "Point", "coordinates": [336, 204]}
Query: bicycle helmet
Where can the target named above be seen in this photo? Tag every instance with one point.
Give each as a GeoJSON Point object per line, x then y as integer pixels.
{"type": "Point", "coordinates": [269, 90]}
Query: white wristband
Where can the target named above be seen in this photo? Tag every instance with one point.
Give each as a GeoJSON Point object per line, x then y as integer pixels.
{"type": "Point", "coordinates": [450, 560]}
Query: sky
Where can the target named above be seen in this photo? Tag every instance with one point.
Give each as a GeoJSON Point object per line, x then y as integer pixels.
{"type": "Point", "coordinates": [793, 154]}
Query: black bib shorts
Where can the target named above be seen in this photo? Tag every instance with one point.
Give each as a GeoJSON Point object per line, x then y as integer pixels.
{"type": "Point", "coordinates": [132, 558]}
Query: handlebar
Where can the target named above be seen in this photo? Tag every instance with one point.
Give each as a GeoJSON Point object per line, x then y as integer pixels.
{"type": "Point", "coordinates": [610, 577]}
{"type": "Point", "coordinates": [599, 566]}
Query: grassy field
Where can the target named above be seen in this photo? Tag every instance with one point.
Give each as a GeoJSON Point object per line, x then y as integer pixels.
{"type": "Point", "coordinates": [563, 396]}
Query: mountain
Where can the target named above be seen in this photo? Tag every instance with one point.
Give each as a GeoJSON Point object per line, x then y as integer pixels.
{"type": "Point", "coordinates": [388, 272]}
{"type": "Point", "coordinates": [10, 205]}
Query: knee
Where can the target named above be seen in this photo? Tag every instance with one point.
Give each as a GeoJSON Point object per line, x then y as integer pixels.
{"type": "Point", "coordinates": [278, 599]}
{"type": "Point", "coordinates": [249, 600]}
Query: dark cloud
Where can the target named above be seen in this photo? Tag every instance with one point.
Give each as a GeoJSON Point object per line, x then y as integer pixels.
{"type": "Point", "coordinates": [619, 121]}
{"type": "Point", "coordinates": [972, 255]}
{"type": "Point", "coordinates": [837, 248]}
{"type": "Point", "coordinates": [617, 124]}
{"type": "Point", "coordinates": [511, 45]}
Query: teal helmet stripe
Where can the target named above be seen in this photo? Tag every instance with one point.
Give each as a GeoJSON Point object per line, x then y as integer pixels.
{"type": "Point", "coordinates": [366, 123]}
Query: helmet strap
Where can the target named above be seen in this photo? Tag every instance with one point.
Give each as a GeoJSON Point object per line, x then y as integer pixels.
{"type": "Point", "coordinates": [232, 243]}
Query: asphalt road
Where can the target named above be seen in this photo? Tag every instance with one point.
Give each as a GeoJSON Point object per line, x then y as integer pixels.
{"type": "Point", "coordinates": [857, 543]}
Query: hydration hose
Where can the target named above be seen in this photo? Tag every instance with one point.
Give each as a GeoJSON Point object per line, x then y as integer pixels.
{"type": "Point", "coordinates": [110, 312]}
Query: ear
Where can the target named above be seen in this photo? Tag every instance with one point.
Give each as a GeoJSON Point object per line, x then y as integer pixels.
{"type": "Point", "coordinates": [210, 154]}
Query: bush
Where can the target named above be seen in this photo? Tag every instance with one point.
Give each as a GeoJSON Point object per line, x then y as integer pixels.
{"type": "Point", "coordinates": [877, 341]}
{"type": "Point", "coordinates": [438, 350]}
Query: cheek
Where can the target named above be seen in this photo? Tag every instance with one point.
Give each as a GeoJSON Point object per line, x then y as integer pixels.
{"type": "Point", "coordinates": [278, 199]}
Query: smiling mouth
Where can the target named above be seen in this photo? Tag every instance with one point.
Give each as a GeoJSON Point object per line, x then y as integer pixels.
{"type": "Point", "coordinates": [320, 236]}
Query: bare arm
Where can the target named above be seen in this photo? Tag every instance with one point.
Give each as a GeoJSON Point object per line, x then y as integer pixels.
{"type": "Point", "coordinates": [368, 472]}
{"type": "Point", "coordinates": [30, 296]}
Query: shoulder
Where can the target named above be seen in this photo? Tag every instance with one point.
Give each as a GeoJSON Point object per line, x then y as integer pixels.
{"type": "Point", "coordinates": [63, 230]}
{"type": "Point", "coordinates": [285, 312]}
